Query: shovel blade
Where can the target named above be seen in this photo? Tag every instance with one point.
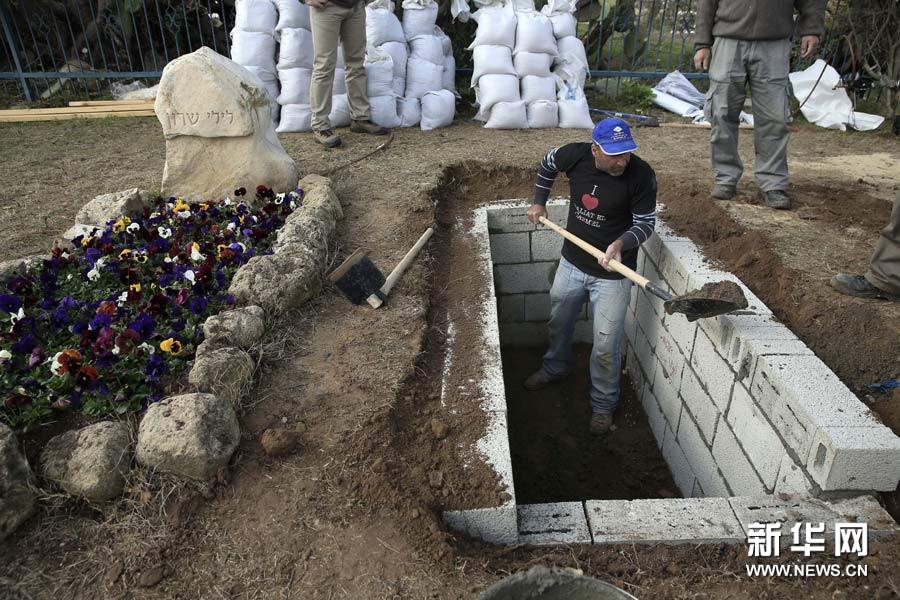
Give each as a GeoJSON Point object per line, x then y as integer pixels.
{"type": "Point", "coordinates": [357, 277]}
{"type": "Point", "coordinates": [700, 308]}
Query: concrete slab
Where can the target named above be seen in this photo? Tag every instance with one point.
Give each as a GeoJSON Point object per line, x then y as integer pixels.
{"type": "Point", "coordinates": [556, 523]}
{"type": "Point", "coordinates": [492, 525]}
{"type": "Point", "coordinates": [670, 521]}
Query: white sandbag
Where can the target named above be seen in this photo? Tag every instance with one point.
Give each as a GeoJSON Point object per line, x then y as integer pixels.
{"type": "Point", "coordinates": [571, 70]}
{"type": "Point", "coordinates": [533, 63]}
{"type": "Point", "coordinates": [399, 56]}
{"type": "Point", "coordinates": [507, 115]}
{"type": "Point", "coordinates": [255, 15]}
{"type": "Point", "coordinates": [496, 27]}
{"type": "Point", "coordinates": [253, 49]}
{"type": "Point", "coordinates": [491, 60]}
{"type": "Point", "coordinates": [460, 11]}
{"type": "Point", "coordinates": [379, 73]}
{"type": "Point", "coordinates": [523, 6]}
{"type": "Point", "coordinates": [419, 20]}
{"type": "Point", "coordinates": [564, 25]}
{"type": "Point", "coordinates": [438, 109]}
{"type": "Point", "coordinates": [496, 88]}
{"type": "Point", "coordinates": [559, 6]}
{"type": "Point", "coordinates": [292, 14]}
{"type": "Point", "coordinates": [295, 117]}
{"type": "Point", "coordinates": [268, 78]}
{"type": "Point", "coordinates": [383, 110]}
{"type": "Point", "coordinates": [340, 111]}
{"type": "Point", "coordinates": [534, 33]}
{"type": "Point", "coordinates": [574, 114]}
{"type": "Point", "coordinates": [538, 88]}
{"type": "Point", "coordinates": [543, 115]}
{"type": "Point", "coordinates": [340, 83]}
{"type": "Point", "coordinates": [296, 49]}
{"type": "Point", "coordinates": [295, 84]}
{"type": "Point", "coordinates": [410, 111]}
{"type": "Point", "coordinates": [571, 45]}
{"type": "Point", "coordinates": [446, 42]}
{"type": "Point", "coordinates": [449, 79]}
{"type": "Point", "coordinates": [422, 77]}
{"type": "Point", "coordinates": [382, 25]}
{"type": "Point", "coordinates": [675, 105]}
{"type": "Point", "coordinates": [676, 84]}
{"type": "Point", "coordinates": [427, 47]}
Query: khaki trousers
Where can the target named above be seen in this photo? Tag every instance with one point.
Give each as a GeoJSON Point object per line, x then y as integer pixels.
{"type": "Point", "coordinates": [884, 268]}
{"type": "Point", "coordinates": [330, 25]}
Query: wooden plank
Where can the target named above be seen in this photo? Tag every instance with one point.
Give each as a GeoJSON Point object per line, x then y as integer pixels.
{"type": "Point", "coordinates": [697, 125]}
{"type": "Point", "coordinates": [109, 102]}
{"type": "Point", "coordinates": [66, 116]}
{"type": "Point", "coordinates": [62, 110]}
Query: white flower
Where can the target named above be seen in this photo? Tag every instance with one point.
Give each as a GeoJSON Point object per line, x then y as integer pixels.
{"type": "Point", "coordinates": [100, 262]}
{"type": "Point", "coordinates": [54, 364]}
{"type": "Point", "coordinates": [195, 253]}
{"type": "Point", "coordinates": [5, 355]}
{"type": "Point", "coordinates": [93, 275]}
{"type": "Point", "coordinates": [16, 317]}
{"type": "Point", "coordinates": [167, 259]}
{"type": "Point", "coordinates": [231, 226]}
{"type": "Point", "coordinates": [116, 350]}
{"type": "Point", "coordinates": [279, 198]}
{"type": "Point", "coordinates": [228, 201]}
{"type": "Point", "coordinates": [133, 228]}
{"type": "Point", "coordinates": [68, 277]}
{"type": "Point", "coordinates": [147, 348]}
{"type": "Point", "coordinates": [164, 232]}
{"type": "Point", "coordinates": [189, 275]}
{"type": "Point", "coordinates": [184, 214]}
{"type": "Point", "coordinates": [123, 298]}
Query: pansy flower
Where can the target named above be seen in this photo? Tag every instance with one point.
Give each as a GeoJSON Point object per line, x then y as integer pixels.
{"type": "Point", "coordinates": [10, 303]}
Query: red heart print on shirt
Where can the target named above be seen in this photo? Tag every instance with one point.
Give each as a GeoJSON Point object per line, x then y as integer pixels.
{"type": "Point", "coordinates": [589, 201]}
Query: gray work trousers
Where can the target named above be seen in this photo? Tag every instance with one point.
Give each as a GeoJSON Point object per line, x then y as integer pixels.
{"type": "Point", "coordinates": [884, 268]}
{"type": "Point", "coordinates": [765, 65]}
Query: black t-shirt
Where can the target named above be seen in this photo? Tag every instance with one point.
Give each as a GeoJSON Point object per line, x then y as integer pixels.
{"type": "Point", "coordinates": [602, 208]}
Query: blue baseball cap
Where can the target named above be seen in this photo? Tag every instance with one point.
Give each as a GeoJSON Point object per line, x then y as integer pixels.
{"type": "Point", "coordinates": [613, 136]}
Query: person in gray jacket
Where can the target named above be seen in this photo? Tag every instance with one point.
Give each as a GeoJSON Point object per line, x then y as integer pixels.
{"type": "Point", "coordinates": [741, 41]}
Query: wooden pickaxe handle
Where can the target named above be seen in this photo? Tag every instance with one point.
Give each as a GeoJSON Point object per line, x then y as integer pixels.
{"type": "Point", "coordinates": [377, 299]}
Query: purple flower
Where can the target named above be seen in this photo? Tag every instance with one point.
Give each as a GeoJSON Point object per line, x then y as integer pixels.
{"type": "Point", "coordinates": [144, 325]}
{"type": "Point", "coordinates": [25, 345]}
{"type": "Point", "coordinates": [91, 255]}
{"type": "Point", "coordinates": [10, 303]}
{"type": "Point", "coordinates": [156, 367]}
{"type": "Point", "coordinates": [198, 304]}
{"type": "Point", "coordinates": [101, 320]}
{"type": "Point", "coordinates": [79, 327]}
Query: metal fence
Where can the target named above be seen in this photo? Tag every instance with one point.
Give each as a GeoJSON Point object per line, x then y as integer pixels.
{"type": "Point", "coordinates": [55, 49]}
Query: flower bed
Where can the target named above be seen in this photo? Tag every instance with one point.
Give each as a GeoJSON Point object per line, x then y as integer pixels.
{"type": "Point", "coordinates": [103, 327]}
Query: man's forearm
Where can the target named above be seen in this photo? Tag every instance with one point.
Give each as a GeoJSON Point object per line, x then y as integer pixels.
{"type": "Point", "coordinates": [546, 176]}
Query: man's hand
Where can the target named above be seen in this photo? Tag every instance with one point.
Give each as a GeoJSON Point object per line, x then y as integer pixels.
{"type": "Point", "coordinates": [808, 45]}
{"type": "Point", "coordinates": [317, 3]}
{"type": "Point", "coordinates": [535, 211]}
{"type": "Point", "coordinates": [614, 252]}
{"type": "Point", "coordinates": [701, 58]}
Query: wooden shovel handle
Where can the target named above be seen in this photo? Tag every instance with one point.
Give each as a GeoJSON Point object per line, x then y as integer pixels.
{"type": "Point", "coordinates": [598, 254]}
{"type": "Point", "coordinates": [375, 300]}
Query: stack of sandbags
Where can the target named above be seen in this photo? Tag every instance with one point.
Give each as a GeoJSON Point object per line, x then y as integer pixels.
{"type": "Point", "coordinates": [494, 76]}
{"type": "Point", "coordinates": [253, 42]}
{"type": "Point", "coordinates": [295, 64]}
{"type": "Point", "coordinates": [534, 52]}
{"type": "Point", "coordinates": [425, 68]}
{"type": "Point", "coordinates": [570, 66]}
{"type": "Point", "coordinates": [385, 37]}
{"type": "Point", "coordinates": [449, 79]}
{"type": "Point", "coordinates": [379, 88]}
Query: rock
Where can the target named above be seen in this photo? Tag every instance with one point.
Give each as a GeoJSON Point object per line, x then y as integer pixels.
{"type": "Point", "coordinates": [109, 207]}
{"type": "Point", "coordinates": [150, 577]}
{"type": "Point", "coordinates": [91, 462]}
{"type": "Point", "coordinates": [309, 228]}
{"type": "Point", "coordinates": [191, 435]}
{"type": "Point", "coordinates": [224, 372]}
{"type": "Point", "coordinates": [217, 121]}
{"type": "Point", "coordinates": [16, 480]}
{"type": "Point", "coordinates": [279, 441]}
{"type": "Point", "coordinates": [65, 240]}
{"type": "Point", "coordinates": [241, 327]}
{"type": "Point", "coordinates": [22, 266]}
{"type": "Point", "coordinates": [439, 428]}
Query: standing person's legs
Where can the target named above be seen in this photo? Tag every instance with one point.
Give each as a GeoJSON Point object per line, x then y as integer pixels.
{"type": "Point", "coordinates": [724, 100]}
{"type": "Point", "coordinates": [353, 39]}
{"type": "Point", "coordinates": [326, 26]}
{"type": "Point", "coordinates": [609, 301]}
{"type": "Point", "coordinates": [567, 296]}
{"type": "Point", "coordinates": [884, 268]}
{"type": "Point", "coordinates": [768, 71]}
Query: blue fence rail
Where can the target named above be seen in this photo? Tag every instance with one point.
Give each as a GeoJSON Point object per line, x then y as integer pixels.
{"type": "Point", "coordinates": [74, 49]}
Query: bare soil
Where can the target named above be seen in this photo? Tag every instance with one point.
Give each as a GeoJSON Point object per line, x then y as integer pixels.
{"type": "Point", "coordinates": [356, 511]}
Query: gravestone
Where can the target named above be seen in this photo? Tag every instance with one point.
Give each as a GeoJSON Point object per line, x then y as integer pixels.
{"type": "Point", "coordinates": [217, 120]}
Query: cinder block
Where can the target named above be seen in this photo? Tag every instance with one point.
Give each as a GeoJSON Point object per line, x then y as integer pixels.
{"type": "Point", "coordinates": [746, 351]}
{"type": "Point", "coordinates": [557, 523]}
{"type": "Point", "coordinates": [734, 464]}
{"type": "Point", "coordinates": [492, 525]}
{"type": "Point", "coordinates": [700, 405]}
{"type": "Point", "coordinates": [762, 445]}
{"type": "Point", "coordinates": [700, 458]}
{"type": "Point", "coordinates": [652, 248]}
{"type": "Point", "coordinates": [558, 210]}
{"type": "Point", "coordinates": [546, 244]}
{"type": "Point", "coordinates": [712, 370]}
{"type": "Point", "coordinates": [537, 307]}
{"type": "Point", "coordinates": [526, 335]}
{"type": "Point", "coordinates": [632, 366]}
{"type": "Point", "coordinates": [651, 273]}
{"type": "Point", "coordinates": [670, 357]}
{"type": "Point", "coordinates": [682, 331]}
{"type": "Point", "coordinates": [509, 219]}
{"type": "Point", "coordinates": [510, 248]}
{"type": "Point", "coordinates": [697, 492]}
{"type": "Point", "coordinates": [677, 261]}
{"type": "Point", "coordinates": [678, 463]}
{"type": "Point", "coordinates": [511, 308]}
{"type": "Point", "coordinates": [655, 416]}
{"type": "Point", "coordinates": [724, 329]}
{"type": "Point", "coordinates": [792, 479]}
{"type": "Point", "coordinates": [493, 447]}
{"type": "Point", "coordinates": [630, 324]}
{"type": "Point", "coordinates": [645, 356]}
{"type": "Point", "coordinates": [665, 389]}
{"type": "Point", "coordinates": [855, 458]}
{"type": "Point", "coordinates": [670, 521]}
{"type": "Point", "coordinates": [865, 509]}
{"type": "Point", "coordinates": [647, 319]}
{"type": "Point", "coordinates": [527, 278]}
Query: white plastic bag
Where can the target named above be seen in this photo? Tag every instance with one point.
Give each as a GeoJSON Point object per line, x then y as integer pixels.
{"type": "Point", "coordinates": [340, 83]}
{"type": "Point", "coordinates": [534, 33]}
{"type": "Point", "coordinates": [507, 115]}
{"type": "Point", "coordinates": [384, 111]}
{"type": "Point", "coordinates": [382, 25]}
{"type": "Point", "coordinates": [543, 115]}
{"type": "Point", "coordinates": [460, 10]}
{"type": "Point", "coordinates": [491, 60]}
{"type": "Point", "coordinates": [571, 45]}
{"type": "Point", "coordinates": [496, 88]}
{"type": "Point", "coordinates": [255, 15]}
{"type": "Point", "coordinates": [296, 49]}
{"type": "Point", "coordinates": [419, 20]}
{"type": "Point", "coordinates": [427, 47]}
{"type": "Point", "coordinates": [422, 77]}
{"type": "Point", "coordinates": [538, 88]}
{"type": "Point", "coordinates": [292, 14]}
{"type": "Point", "coordinates": [496, 27]}
{"type": "Point", "coordinates": [449, 79]}
{"type": "Point", "coordinates": [295, 84]}
{"type": "Point", "coordinates": [829, 106]}
{"type": "Point", "coordinates": [295, 117]}
{"type": "Point", "coordinates": [575, 114]}
{"type": "Point", "coordinates": [410, 111]}
{"type": "Point", "coordinates": [253, 49]}
{"type": "Point", "coordinates": [533, 63]}
{"type": "Point", "coordinates": [677, 85]}
{"type": "Point", "coordinates": [438, 109]}
{"type": "Point", "coordinates": [379, 73]}
{"type": "Point", "coordinates": [340, 111]}
{"type": "Point", "coordinates": [675, 105]}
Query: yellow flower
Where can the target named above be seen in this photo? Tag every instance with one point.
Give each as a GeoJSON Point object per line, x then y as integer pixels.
{"type": "Point", "coordinates": [121, 224]}
{"type": "Point", "coordinates": [171, 345]}
{"type": "Point", "coordinates": [180, 205]}
{"type": "Point", "coordinates": [125, 254]}
{"type": "Point", "coordinates": [135, 287]}
{"type": "Point", "coordinates": [86, 240]}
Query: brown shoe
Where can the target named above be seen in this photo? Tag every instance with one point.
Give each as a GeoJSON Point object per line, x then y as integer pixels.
{"type": "Point", "coordinates": [539, 380]}
{"type": "Point", "coordinates": [600, 423]}
{"type": "Point", "coordinates": [369, 127]}
{"type": "Point", "coordinates": [327, 137]}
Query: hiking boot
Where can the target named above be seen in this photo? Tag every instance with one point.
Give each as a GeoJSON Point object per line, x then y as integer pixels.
{"type": "Point", "coordinates": [722, 192]}
{"type": "Point", "coordinates": [859, 286]}
{"type": "Point", "coordinates": [776, 199]}
{"type": "Point", "coordinates": [600, 423]}
{"type": "Point", "coordinates": [539, 380]}
{"type": "Point", "coordinates": [369, 127]}
{"type": "Point", "coordinates": [327, 137]}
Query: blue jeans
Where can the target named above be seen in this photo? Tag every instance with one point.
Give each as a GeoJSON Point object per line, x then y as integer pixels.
{"type": "Point", "coordinates": [608, 300]}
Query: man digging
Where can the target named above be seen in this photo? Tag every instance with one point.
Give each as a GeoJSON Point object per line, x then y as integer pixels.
{"type": "Point", "coordinates": [613, 206]}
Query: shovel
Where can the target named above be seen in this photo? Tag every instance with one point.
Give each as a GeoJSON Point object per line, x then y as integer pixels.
{"type": "Point", "coordinates": [694, 305]}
